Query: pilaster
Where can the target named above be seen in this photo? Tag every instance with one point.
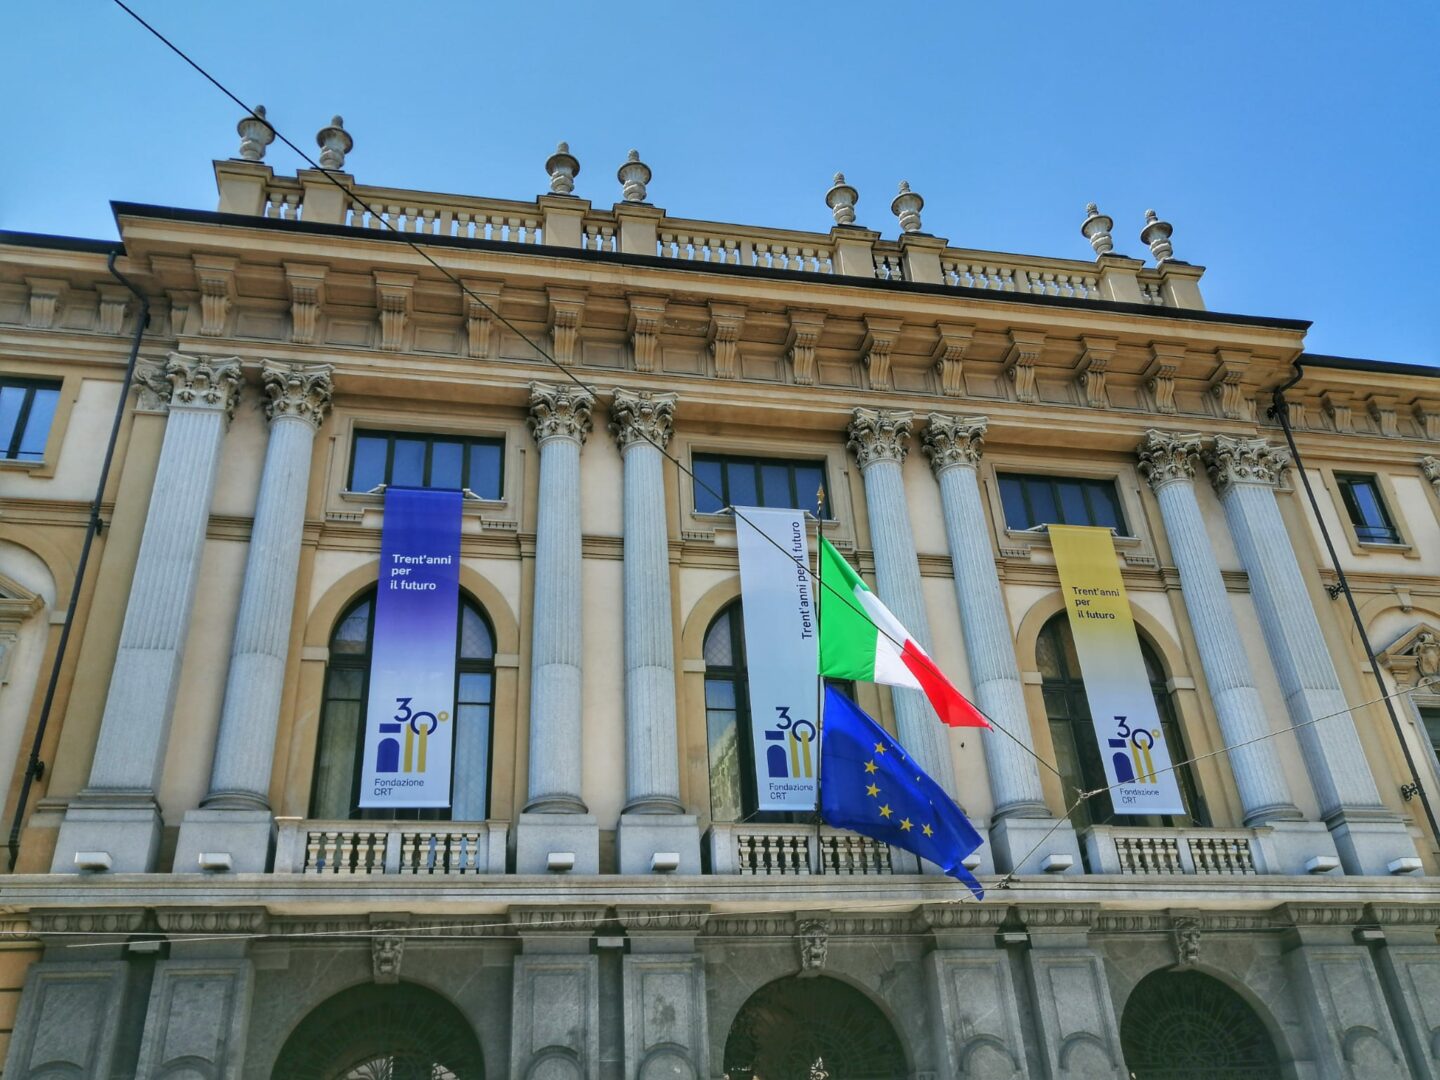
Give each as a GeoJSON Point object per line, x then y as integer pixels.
{"type": "Point", "coordinates": [555, 1017]}
{"type": "Point", "coordinates": [666, 1027]}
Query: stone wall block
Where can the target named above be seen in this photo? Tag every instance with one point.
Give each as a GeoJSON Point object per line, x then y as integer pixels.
{"type": "Point", "coordinates": [197, 1020]}
{"type": "Point", "coordinates": [1077, 1031]}
{"type": "Point", "coordinates": [69, 1020]}
{"type": "Point", "coordinates": [976, 1015]}
{"type": "Point", "coordinates": [665, 1017]}
{"type": "Point", "coordinates": [555, 1033]}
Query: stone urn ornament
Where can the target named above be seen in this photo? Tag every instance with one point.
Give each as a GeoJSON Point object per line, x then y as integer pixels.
{"type": "Point", "coordinates": [562, 167]}
{"type": "Point", "coordinates": [633, 177]}
{"type": "Point", "coordinates": [1096, 228]}
{"type": "Point", "coordinates": [907, 206]}
{"type": "Point", "coordinates": [255, 135]}
{"type": "Point", "coordinates": [334, 142]}
{"type": "Point", "coordinates": [841, 199]}
{"type": "Point", "coordinates": [1156, 235]}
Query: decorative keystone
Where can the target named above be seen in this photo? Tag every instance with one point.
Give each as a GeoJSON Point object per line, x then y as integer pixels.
{"type": "Point", "coordinates": [841, 199]}
{"type": "Point", "coordinates": [255, 135]}
{"type": "Point", "coordinates": [334, 142]}
{"type": "Point", "coordinates": [562, 167]}
{"type": "Point", "coordinates": [1096, 228]}
{"type": "Point", "coordinates": [907, 206]}
{"type": "Point", "coordinates": [1156, 234]}
{"type": "Point", "coordinates": [633, 177]}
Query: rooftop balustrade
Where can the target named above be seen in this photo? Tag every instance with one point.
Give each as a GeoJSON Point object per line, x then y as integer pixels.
{"type": "Point", "coordinates": [633, 226]}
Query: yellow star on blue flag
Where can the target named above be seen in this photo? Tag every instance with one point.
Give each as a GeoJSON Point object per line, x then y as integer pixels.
{"type": "Point", "coordinates": [857, 755]}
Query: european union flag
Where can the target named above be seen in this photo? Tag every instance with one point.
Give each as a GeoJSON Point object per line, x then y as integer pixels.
{"type": "Point", "coordinates": [870, 785]}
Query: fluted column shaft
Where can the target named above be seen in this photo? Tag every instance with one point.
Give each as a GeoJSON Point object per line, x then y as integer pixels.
{"type": "Point", "coordinates": [1167, 461]}
{"type": "Point", "coordinates": [880, 441]}
{"type": "Point", "coordinates": [954, 447]}
{"type": "Point", "coordinates": [642, 425]}
{"type": "Point", "coordinates": [1245, 472]}
{"type": "Point", "coordinates": [244, 753]}
{"type": "Point", "coordinates": [141, 698]}
{"type": "Point", "coordinates": [560, 420]}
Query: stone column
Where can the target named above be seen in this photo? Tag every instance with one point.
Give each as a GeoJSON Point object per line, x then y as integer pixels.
{"type": "Point", "coordinates": [1167, 461]}
{"type": "Point", "coordinates": [235, 816]}
{"type": "Point", "coordinates": [954, 446]}
{"type": "Point", "coordinates": [654, 819]}
{"type": "Point", "coordinates": [880, 440]}
{"type": "Point", "coordinates": [116, 812]}
{"type": "Point", "coordinates": [1369, 837]}
{"type": "Point", "coordinates": [555, 817]}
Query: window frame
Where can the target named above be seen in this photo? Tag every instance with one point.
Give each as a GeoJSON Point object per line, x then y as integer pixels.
{"type": "Point", "coordinates": [362, 662]}
{"type": "Point", "coordinates": [727, 459]}
{"type": "Point", "coordinates": [1389, 500]}
{"type": "Point", "coordinates": [19, 372]}
{"type": "Point", "coordinates": [429, 438]}
{"type": "Point", "coordinates": [1347, 482]}
{"type": "Point", "coordinates": [22, 419]}
{"type": "Point", "coordinates": [1054, 480]}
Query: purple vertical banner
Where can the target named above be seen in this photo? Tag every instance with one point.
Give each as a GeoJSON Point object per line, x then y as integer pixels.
{"type": "Point", "coordinates": [409, 728]}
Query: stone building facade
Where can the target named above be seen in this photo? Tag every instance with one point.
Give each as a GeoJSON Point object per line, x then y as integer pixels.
{"type": "Point", "coordinates": [196, 894]}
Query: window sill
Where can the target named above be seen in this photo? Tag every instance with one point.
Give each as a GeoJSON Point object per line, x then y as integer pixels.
{"type": "Point", "coordinates": [470, 504]}
{"type": "Point", "coordinates": [21, 466]}
{"type": "Point", "coordinates": [1384, 545]}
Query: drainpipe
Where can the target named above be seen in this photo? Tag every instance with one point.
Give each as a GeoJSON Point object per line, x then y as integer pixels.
{"type": "Point", "coordinates": [35, 768]}
{"type": "Point", "coordinates": [1281, 412]}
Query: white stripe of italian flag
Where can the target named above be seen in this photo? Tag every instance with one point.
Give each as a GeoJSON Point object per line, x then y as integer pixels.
{"type": "Point", "coordinates": [861, 639]}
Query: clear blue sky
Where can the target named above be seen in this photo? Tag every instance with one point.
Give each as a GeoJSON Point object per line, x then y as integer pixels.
{"type": "Point", "coordinates": [1292, 145]}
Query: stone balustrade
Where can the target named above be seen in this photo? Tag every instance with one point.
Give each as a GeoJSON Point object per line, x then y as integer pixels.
{"type": "Point", "coordinates": [559, 220]}
{"type": "Point", "coordinates": [351, 848]}
{"type": "Point", "coordinates": [766, 850]}
{"type": "Point", "coordinates": [1125, 850]}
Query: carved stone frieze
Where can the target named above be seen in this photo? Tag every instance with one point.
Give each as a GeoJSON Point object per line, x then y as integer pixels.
{"type": "Point", "coordinates": [652, 919]}
{"type": "Point", "coordinates": [1427, 915]}
{"type": "Point", "coordinates": [567, 312]}
{"type": "Point", "coordinates": [112, 921]}
{"type": "Point", "coordinates": [1319, 914]}
{"type": "Point", "coordinates": [953, 440]}
{"type": "Point", "coordinates": [1020, 358]}
{"type": "Point", "coordinates": [482, 302]}
{"type": "Point", "coordinates": [813, 939]}
{"type": "Point", "coordinates": [571, 920]}
{"type": "Point", "coordinates": [301, 391]}
{"type": "Point", "coordinates": [962, 916]}
{"type": "Point", "coordinates": [211, 920]}
{"type": "Point", "coordinates": [1166, 457]}
{"type": "Point", "coordinates": [1430, 466]}
{"type": "Point", "coordinates": [642, 416]}
{"type": "Point", "coordinates": [387, 951]}
{"type": "Point", "coordinates": [1244, 461]}
{"type": "Point", "coordinates": [949, 356]}
{"type": "Point", "coordinates": [1058, 916]}
{"type": "Point", "coordinates": [307, 295]}
{"type": "Point", "coordinates": [1186, 929]}
{"type": "Point", "coordinates": [805, 329]}
{"type": "Point", "coordinates": [748, 926]}
{"type": "Point", "coordinates": [559, 411]}
{"type": "Point", "coordinates": [879, 435]}
{"type": "Point", "coordinates": [880, 338]}
{"type": "Point", "coordinates": [727, 321]}
{"type": "Point", "coordinates": [647, 317]}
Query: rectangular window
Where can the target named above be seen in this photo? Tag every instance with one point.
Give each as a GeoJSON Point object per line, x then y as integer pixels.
{"type": "Point", "coordinates": [26, 408]}
{"type": "Point", "coordinates": [430, 461]}
{"type": "Point", "coordinates": [723, 480]}
{"type": "Point", "coordinates": [1430, 715]}
{"type": "Point", "coordinates": [1060, 500]}
{"type": "Point", "coordinates": [1361, 495]}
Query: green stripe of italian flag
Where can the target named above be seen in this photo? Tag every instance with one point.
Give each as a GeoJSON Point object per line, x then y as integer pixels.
{"type": "Point", "coordinates": [861, 639]}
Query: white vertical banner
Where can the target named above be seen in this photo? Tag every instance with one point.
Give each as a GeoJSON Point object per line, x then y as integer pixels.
{"type": "Point", "coordinates": [781, 655]}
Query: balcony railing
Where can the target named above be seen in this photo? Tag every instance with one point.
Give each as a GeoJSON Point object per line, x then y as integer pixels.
{"type": "Point", "coordinates": [798, 850]}
{"type": "Point", "coordinates": [1117, 850]}
{"type": "Point", "coordinates": [416, 848]}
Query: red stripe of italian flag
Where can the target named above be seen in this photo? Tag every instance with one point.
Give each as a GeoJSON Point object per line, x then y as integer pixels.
{"type": "Point", "coordinates": [861, 639]}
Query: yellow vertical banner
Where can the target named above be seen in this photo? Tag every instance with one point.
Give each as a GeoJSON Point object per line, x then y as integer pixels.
{"type": "Point", "coordinates": [1127, 727]}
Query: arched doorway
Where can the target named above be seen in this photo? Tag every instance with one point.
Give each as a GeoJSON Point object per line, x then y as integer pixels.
{"type": "Point", "coordinates": [791, 1024]}
{"type": "Point", "coordinates": [400, 1032]}
{"type": "Point", "coordinates": [1185, 1025]}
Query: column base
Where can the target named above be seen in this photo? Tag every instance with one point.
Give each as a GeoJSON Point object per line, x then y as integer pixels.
{"type": "Point", "coordinates": [1289, 847]}
{"type": "Point", "coordinates": [1369, 847]}
{"type": "Point", "coordinates": [643, 836]}
{"type": "Point", "coordinates": [538, 835]}
{"type": "Point", "coordinates": [246, 836]}
{"type": "Point", "coordinates": [119, 834]}
{"type": "Point", "coordinates": [1014, 840]}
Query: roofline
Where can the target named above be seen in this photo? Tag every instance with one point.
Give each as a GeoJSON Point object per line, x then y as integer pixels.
{"type": "Point", "coordinates": [1379, 367]}
{"type": "Point", "coordinates": [11, 238]}
{"type": "Point", "coordinates": [248, 221]}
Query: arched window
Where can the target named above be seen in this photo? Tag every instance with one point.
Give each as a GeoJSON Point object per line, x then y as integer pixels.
{"type": "Point", "coordinates": [1073, 733]}
{"type": "Point", "coordinates": [727, 720]}
{"type": "Point", "coordinates": [342, 720]}
{"type": "Point", "coordinates": [1186, 1025]}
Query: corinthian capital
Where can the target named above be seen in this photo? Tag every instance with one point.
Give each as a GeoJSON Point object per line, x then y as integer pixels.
{"type": "Point", "coordinates": [1166, 456]}
{"type": "Point", "coordinates": [1245, 461]}
{"type": "Point", "coordinates": [192, 382]}
{"type": "Point", "coordinates": [559, 412]}
{"type": "Point", "coordinates": [296, 391]}
{"type": "Point", "coordinates": [879, 435]}
{"type": "Point", "coordinates": [641, 416]}
{"type": "Point", "coordinates": [953, 440]}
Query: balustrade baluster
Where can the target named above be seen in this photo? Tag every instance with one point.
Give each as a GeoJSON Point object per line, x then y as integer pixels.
{"type": "Point", "coordinates": [312, 853]}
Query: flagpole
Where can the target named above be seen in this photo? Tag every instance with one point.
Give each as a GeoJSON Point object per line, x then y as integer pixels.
{"type": "Point", "coordinates": [819, 673]}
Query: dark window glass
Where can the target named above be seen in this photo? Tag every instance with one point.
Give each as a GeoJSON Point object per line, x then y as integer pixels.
{"type": "Point", "coordinates": [1430, 715]}
{"type": "Point", "coordinates": [722, 480]}
{"type": "Point", "coordinates": [727, 722]}
{"type": "Point", "coordinates": [447, 462]}
{"type": "Point", "coordinates": [1361, 495]}
{"type": "Point", "coordinates": [340, 747]}
{"type": "Point", "coordinates": [26, 410]}
{"type": "Point", "coordinates": [1076, 751]}
{"type": "Point", "coordinates": [1059, 500]}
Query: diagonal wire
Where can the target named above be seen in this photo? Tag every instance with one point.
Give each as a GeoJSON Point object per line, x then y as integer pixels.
{"type": "Point", "coordinates": [570, 375]}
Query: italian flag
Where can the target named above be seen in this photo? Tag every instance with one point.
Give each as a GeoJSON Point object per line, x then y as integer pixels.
{"type": "Point", "coordinates": [860, 639]}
